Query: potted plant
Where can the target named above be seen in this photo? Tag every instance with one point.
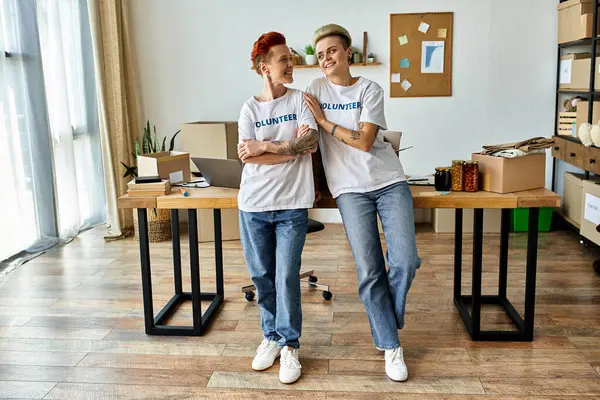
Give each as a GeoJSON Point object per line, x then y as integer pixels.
{"type": "Point", "coordinates": [159, 220]}
{"type": "Point", "coordinates": [371, 58]}
{"type": "Point", "coordinates": [311, 58]}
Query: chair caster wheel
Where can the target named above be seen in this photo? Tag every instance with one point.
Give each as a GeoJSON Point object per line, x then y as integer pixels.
{"type": "Point", "coordinates": [327, 295]}
{"type": "Point", "coordinates": [596, 266]}
{"type": "Point", "coordinates": [313, 279]}
{"type": "Point", "coordinates": [249, 296]}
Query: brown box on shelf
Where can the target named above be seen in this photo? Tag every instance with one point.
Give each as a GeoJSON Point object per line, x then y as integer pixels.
{"type": "Point", "coordinates": [575, 72]}
{"type": "Point", "coordinates": [213, 140]}
{"type": "Point", "coordinates": [173, 165]}
{"type": "Point", "coordinates": [572, 196]}
{"type": "Point", "coordinates": [210, 139]}
{"type": "Point", "coordinates": [442, 220]}
{"type": "Point", "coordinates": [590, 210]}
{"type": "Point", "coordinates": [506, 175]}
{"type": "Point", "coordinates": [582, 112]}
{"type": "Point", "coordinates": [575, 20]}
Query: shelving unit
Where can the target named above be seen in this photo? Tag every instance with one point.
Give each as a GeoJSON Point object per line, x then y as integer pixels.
{"type": "Point", "coordinates": [559, 153]}
{"type": "Point", "coordinates": [569, 148]}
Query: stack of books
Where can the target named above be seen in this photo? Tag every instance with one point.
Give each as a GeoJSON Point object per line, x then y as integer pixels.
{"type": "Point", "coordinates": [148, 187]}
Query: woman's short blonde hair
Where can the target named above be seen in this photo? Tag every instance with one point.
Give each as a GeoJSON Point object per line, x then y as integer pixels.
{"type": "Point", "coordinates": [333, 30]}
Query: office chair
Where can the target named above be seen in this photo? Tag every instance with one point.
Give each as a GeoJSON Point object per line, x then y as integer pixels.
{"type": "Point", "coordinates": [307, 277]}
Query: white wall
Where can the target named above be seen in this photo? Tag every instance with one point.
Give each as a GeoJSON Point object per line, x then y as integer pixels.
{"type": "Point", "coordinates": [193, 58]}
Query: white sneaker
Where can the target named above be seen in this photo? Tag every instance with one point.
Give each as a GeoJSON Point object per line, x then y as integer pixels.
{"type": "Point", "coordinates": [394, 365]}
{"type": "Point", "coordinates": [289, 370]}
{"type": "Point", "coordinates": [266, 354]}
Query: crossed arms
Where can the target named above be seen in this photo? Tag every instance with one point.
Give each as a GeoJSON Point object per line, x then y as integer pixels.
{"type": "Point", "coordinates": [279, 151]}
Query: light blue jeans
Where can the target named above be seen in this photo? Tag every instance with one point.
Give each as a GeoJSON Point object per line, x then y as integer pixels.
{"type": "Point", "coordinates": [383, 294]}
{"type": "Point", "coordinates": [273, 242]}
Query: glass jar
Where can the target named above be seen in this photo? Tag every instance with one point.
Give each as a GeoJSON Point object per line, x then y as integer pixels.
{"type": "Point", "coordinates": [443, 180]}
{"type": "Point", "coordinates": [472, 176]}
{"type": "Point", "coordinates": [458, 172]}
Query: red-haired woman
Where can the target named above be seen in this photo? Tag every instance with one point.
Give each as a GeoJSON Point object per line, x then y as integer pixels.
{"type": "Point", "coordinates": [277, 133]}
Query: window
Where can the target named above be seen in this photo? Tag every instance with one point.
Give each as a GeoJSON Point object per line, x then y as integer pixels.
{"type": "Point", "coordinates": [50, 160]}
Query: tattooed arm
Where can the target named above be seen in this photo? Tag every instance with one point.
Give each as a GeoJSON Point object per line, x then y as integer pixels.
{"type": "Point", "coordinates": [305, 143]}
{"type": "Point", "coordinates": [362, 139]}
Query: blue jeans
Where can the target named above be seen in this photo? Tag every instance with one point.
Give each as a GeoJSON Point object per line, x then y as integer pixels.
{"type": "Point", "coordinates": [273, 242]}
{"type": "Point", "coordinates": [383, 294]}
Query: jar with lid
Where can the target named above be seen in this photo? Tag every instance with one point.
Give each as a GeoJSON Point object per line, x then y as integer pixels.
{"type": "Point", "coordinates": [458, 171]}
{"type": "Point", "coordinates": [472, 176]}
{"type": "Point", "coordinates": [442, 179]}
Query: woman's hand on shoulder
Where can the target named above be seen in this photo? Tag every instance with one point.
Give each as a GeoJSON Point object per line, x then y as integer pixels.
{"type": "Point", "coordinates": [315, 108]}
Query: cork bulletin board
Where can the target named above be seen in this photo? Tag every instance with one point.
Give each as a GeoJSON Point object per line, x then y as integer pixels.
{"type": "Point", "coordinates": [421, 54]}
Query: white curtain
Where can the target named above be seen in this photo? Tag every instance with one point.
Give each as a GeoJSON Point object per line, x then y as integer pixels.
{"type": "Point", "coordinates": [50, 161]}
{"type": "Point", "coordinates": [75, 140]}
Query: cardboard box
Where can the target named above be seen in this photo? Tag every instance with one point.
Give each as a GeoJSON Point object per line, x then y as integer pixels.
{"type": "Point", "coordinates": [575, 20]}
{"type": "Point", "coordinates": [442, 220]}
{"type": "Point", "coordinates": [506, 175]}
{"type": "Point", "coordinates": [575, 72]}
{"type": "Point", "coordinates": [174, 166]}
{"type": "Point", "coordinates": [213, 140]}
{"type": "Point", "coordinates": [590, 211]}
{"type": "Point", "coordinates": [210, 140]}
{"type": "Point", "coordinates": [582, 112]}
{"type": "Point", "coordinates": [572, 194]}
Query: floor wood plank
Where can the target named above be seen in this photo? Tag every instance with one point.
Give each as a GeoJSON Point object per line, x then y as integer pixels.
{"type": "Point", "coordinates": [542, 387]}
{"type": "Point", "coordinates": [55, 359]}
{"type": "Point", "coordinates": [347, 383]}
{"type": "Point", "coordinates": [25, 390]}
{"type": "Point", "coordinates": [76, 391]}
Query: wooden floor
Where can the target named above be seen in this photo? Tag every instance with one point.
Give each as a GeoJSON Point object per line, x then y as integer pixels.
{"type": "Point", "coordinates": [71, 327]}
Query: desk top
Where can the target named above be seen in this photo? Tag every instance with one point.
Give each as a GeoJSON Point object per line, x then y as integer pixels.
{"type": "Point", "coordinates": [423, 197]}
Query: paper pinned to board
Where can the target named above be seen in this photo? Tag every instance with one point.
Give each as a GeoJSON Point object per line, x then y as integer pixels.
{"type": "Point", "coordinates": [442, 33]}
{"type": "Point", "coordinates": [424, 27]}
{"type": "Point", "coordinates": [592, 209]}
{"type": "Point", "coordinates": [432, 57]}
{"type": "Point", "coordinates": [404, 63]}
{"type": "Point", "coordinates": [396, 78]}
{"type": "Point", "coordinates": [566, 67]}
{"type": "Point", "coordinates": [406, 85]}
{"type": "Point", "coordinates": [403, 40]}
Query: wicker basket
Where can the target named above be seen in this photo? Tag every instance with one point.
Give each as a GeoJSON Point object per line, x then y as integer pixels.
{"type": "Point", "coordinates": [159, 225]}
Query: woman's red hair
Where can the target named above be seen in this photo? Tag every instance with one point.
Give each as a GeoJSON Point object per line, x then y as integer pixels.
{"type": "Point", "coordinates": [262, 47]}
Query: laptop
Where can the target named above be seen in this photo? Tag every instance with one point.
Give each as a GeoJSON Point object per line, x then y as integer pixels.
{"type": "Point", "coordinates": [219, 172]}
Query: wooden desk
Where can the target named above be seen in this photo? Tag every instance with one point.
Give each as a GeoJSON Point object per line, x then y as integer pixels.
{"type": "Point", "coordinates": [424, 197]}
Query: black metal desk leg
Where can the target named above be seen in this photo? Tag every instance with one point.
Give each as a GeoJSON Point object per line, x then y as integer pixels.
{"type": "Point", "coordinates": [195, 269]}
{"type": "Point", "coordinates": [476, 280]}
{"type": "Point", "coordinates": [458, 235]}
{"type": "Point", "coordinates": [504, 231]}
{"type": "Point", "coordinates": [532, 245]}
{"type": "Point", "coordinates": [219, 253]}
{"type": "Point", "coordinates": [146, 275]}
{"type": "Point", "coordinates": [176, 251]}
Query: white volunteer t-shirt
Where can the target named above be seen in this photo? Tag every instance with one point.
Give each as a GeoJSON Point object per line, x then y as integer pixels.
{"type": "Point", "coordinates": [283, 186]}
{"type": "Point", "coordinates": [350, 170]}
